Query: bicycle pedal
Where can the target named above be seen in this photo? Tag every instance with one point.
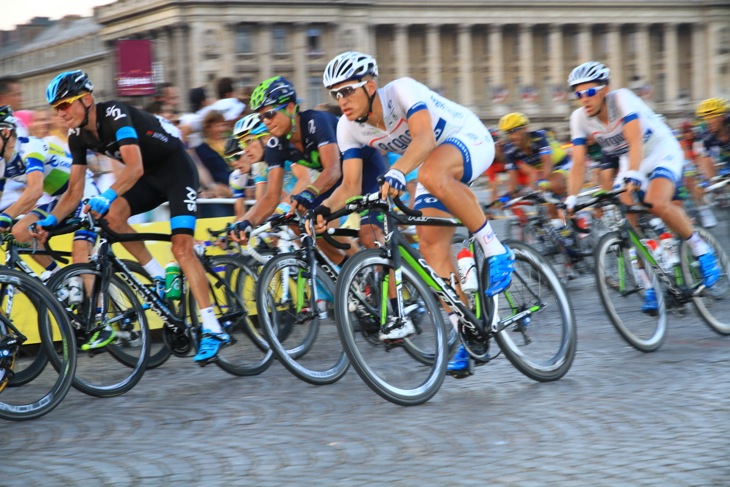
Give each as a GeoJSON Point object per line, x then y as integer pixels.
{"type": "Point", "coordinates": [212, 359]}
{"type": "Point", "coordinates": [459, 374]}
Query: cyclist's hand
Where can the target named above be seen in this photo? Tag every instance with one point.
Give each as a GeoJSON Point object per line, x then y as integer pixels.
{"type": "Point", "coordinates": [100, 204]}
{"type": "Point", "coordinates": [304, 200]}
{"type": "Point", "coordinates": [633, 180]}
{"type": "Point", "coordinates": [320, 215]}
{"type": "Point", "coordinates": [6, 221]}
{"type": "Point", "coordinates": [39, 229]}
{"type": "Point", "coordinates": [240, 231]}
{"type": "Point", "coordinates": [504, 199]}
{"type": "Point", "coordinates": [570, 202]}
{"type": "Point", "coordinates": [394, 184]}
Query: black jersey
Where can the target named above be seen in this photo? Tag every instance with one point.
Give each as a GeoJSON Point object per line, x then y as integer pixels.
{"type": "Point", "coordinates": [318, 129]}
{"type": "Point", "coordinates": [120, 124]}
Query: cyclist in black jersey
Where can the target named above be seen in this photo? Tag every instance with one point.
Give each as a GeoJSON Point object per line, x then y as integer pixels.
{"type": "Point", "coordinates": [308, 138]}
{"type": "Point", "coordinates": [157, 170]}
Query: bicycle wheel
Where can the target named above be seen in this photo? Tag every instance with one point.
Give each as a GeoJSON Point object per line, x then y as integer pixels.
{"type": "Point", "coordinates": [230, 285]}
{"type": "Point", "coordinates": [34, 361]}
{"type": "Point", "coordinates": [310, 349]}
{"type": "Point", "coordinates": [389, 369]}
{"type": "Point", "coordinates": [117, 367]}
{"type": "Point", "coordinates": [712, 304]}
{"type": "Point", "coordinates": [622, 283]}
{"type": "Point", "coordinates": [27, 308]}
{"type": "Point", "coordinates": [159, 351]}
{"type": "Point", "coordinates": [542, 345]}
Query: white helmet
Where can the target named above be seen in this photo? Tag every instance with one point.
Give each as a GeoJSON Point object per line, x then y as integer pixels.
{"type": "Point", "coordinates": [250, 124]}
{"type": "Point", "coordinates": [587, 73]}
{"type": "Point", "coordinates": [348, 66]}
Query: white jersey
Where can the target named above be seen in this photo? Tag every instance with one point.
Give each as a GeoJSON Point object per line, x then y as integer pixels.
{"type": "Point", "coordinates": [623, 107]}
{"type": "Point", "coordinates": [400, 99]}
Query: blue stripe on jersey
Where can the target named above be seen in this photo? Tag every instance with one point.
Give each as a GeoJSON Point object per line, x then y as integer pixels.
{"type": "Point", "coordinates": [439, 128]}
{"type": "Point", "coordinates": [579, 141]}
{"type": "Point", "coordinates": [126, 133]}
{"type": "Point", "coordinates": [466, 156]}
{"type": "Point", "coordinates": [33, 164]}
{"type": "Point", "coordinates": [353, 153]}
{"type": "Point", "coordinates": [238, 193]}
{"type": "Point", "coordinates": [546, 151]}
{"type": "Point", "coordinates": [182, 221]}
{"type": "Point", "coordinates": [630, 117]}
{"type": "Point", "coordinates": [416, 108]}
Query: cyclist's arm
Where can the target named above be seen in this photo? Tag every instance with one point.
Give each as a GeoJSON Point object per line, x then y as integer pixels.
{"type": "Point", "coordinates": [266, 205]}
{"type": "Point", "coordinates": [423, 142]}
{"type": "Point", "coordinates": [546, 162]}
{"type": "Point", "coordinates": [133, 169]}
{"type": "Point", "coordinates": [351, 184]}
{"type": "Point", "coordinates": [577, 172]}
{"type": "Point", "coordinates": [329, 155]}
{"type": "Point", "coordinates": [632, 134]}
{"type": "Point", "coordinates": [303, 175]}
{"type": "Point", "coordinates": [30, 196]}
{"type": "Point", "coordinates": [70, 199]}
{"type": "Point", "coordinates": [531, 173]}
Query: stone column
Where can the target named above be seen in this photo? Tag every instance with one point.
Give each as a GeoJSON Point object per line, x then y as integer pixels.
{"type": "Point", "coordinates": [615, 55]}
{"type": "Point", "coordinates": [466, 67]}
{"type": "Point", "coordinates": [643, 67]}
{"type": "Point", "coordinates": [699, 62]}
{"type": "Point", "coordinates": [228, 50]}
{"type": "Point", "coordinates": [585, 43]}
{"type": "Point", "coordinates": [401, 50]}
{"type": "Point", "coordinates": [433, 56]}
{"type": "Point", "coordinates": [714, 58]}
{"type": "Point", "coordinates": [558, 76]}
{"type": "Point", "coordinates": [495, 55]}
{"type": "Point", "coordinates": [181, 61]}
{"type": "Point", "coordinates": [671, 64]}
{"type": "Point", "coordinates": [527, 55]}
{"type": "Point", "coordinates": [265, 55]}
{"type": "Point", "coordinates": [301, 59]}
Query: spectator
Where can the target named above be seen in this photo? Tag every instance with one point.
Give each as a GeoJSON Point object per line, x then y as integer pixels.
{"type": "Point", "coordinates": [191, 123]}
{"type": "Point", "coordinates": [11, 94]}
{"type": "Point", "coordinates": [210, 155]}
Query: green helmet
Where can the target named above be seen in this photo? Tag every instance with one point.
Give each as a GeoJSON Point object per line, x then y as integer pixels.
{"type": "Point", "coordinates": [273, 91]}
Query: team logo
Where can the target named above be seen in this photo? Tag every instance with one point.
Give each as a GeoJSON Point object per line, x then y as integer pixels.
{"type": "Point", "coordinates": [115, 112]}
{"type": "Point", "coordinates": [191, 199]}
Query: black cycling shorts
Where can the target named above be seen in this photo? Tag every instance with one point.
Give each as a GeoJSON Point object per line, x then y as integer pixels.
{"type": "Point", "coordinates": [175, 181]}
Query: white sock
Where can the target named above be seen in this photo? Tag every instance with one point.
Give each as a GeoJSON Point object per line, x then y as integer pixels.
{"type": "Point", "coordinates": [698, 246]}
{"type": "Point", "coordinates": [210, 322]}
{"type": "Point", "coordinates": [154, 269]}
{"type": "Point", "coordinates": [486, 237]}
{"type": "Point", "coordinates": [454, 319]}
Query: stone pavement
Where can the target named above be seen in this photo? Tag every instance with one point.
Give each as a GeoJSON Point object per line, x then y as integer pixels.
{"type": "Point", "coordinates": [618, 418]}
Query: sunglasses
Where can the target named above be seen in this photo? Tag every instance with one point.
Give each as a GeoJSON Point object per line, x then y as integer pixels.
{"type": "Point", "coordinates": [269, 114]}
{"type": "Point", "coordinates": [516, 129]}
{"type": "Point", "coordinates": [347, 90]}
{"type": "Point", "coordinates": [64, 104]}
{"type": "Point", "coordinates": [589, 93]}
{"type": "Point", "coordinates": [243, 143]}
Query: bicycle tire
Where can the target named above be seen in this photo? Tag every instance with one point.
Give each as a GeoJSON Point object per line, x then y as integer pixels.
{"type": "Point", "coordinates": [249, 353]}
{"type": "Point", "coordinates": [393, 375]}
{"type": "Point", "coordinates": [117, 367]}
{"type": "Point", "coordinates": [615, 271]}
{"type": "Point", "coordinates": [549, 338]}
{"type": "Point", "coordinates": [33, 368]}
{"type": "Point", "coordinates": [43, 394]}
{"type": "Point", "coordinates": [713, 304]}
{"type": "Point", "coordinates": [327, 362]}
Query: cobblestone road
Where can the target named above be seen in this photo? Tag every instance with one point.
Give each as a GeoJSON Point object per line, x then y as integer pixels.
{"type": "Point", "coordinates": [619, 418]}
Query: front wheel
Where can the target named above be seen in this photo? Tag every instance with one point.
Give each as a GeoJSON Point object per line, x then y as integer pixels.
{"type": "Point", "coordinates": [623, 277]}
{"type": "Point", "coordinates": [304, 337]}
{"type": "Point", "coordinates": [541, 339]}
{"type": "Point", "coordinates": [362, 308]}
{"type": "Point", "coordinates": [713, 304]}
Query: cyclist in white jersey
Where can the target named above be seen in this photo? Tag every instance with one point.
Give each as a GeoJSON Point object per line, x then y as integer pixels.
{"type": "Point", "coordinates": [448, 142]}
{"type": "Point", "coordinates": [650, 160]}
{"type": "Point", "coordinates": [44, 170]}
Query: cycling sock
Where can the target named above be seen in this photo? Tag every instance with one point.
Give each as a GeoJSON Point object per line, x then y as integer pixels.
{"type": "Point", "coordinates": [210, 322]}
{"type": "Point", "coordinates": [486, 237]}
{"type": "Point", "coordinates": [52, 267]}
{"type": "Point", "coordinates": [154, 269]}
{"type": "Point", "coordinates": [698, 246]}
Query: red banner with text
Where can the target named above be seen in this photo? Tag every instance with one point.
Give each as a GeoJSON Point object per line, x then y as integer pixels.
{"type": "Point", "coordinates": [134, 68]}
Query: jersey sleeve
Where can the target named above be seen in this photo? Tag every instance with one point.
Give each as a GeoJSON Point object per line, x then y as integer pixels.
{"type": "Point", "coordinates": [578, 132]}
{"type": "Point", "coordinates": [410, 95]}
{"type": "Point", "coordinates": [118, 118]}
{"type": "Point", "coordinates": [275, 154]}
{"type": "Point", "coordinates": [349, 146]}
{"type": "Point", "coordinates": [77, 147]}
{"type": "Point", "coordinates": [541, 143]}
{"type": "Point", "coordinates": [321, 128]}
{"type": "Point", "coordinates": [510, 156]}
{"type": "Point", "coordinates": [34, 154]}
{"type": "Point", "coordinates": [628, 104]}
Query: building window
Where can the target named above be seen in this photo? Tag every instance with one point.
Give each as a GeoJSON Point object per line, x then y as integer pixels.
{"type": "Point", "coordinates": [316, 91]}
{"type": "Point", "coordinates": [314, 42]}
{"type": "Point", "coordinates": [243, 40]}
{"type": "Point", "coordinates": [279, 40]}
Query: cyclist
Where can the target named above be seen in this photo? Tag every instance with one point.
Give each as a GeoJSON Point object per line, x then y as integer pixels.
{"type": "Point", "coordinates": [652, 158]}
{"type": "Point", "coordinates": [157, 169]}
{"type": "Point", "coordinates": [695, 179]}
{"type": "Point", "coordinates": [306, 137]}
{"type": "Point", "coordinates": [448, 142]}
{"type": "Point", "coordinates": [44, 169]}
{"type": "Point", "coordinates": [535, 156]}
{"type": "Point", "coordinates": [715, 135]}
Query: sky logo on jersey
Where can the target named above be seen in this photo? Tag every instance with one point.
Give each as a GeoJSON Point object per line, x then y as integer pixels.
{"type": "Point", "coordinates": [191, 200]}
{"type": "Point", "coordinates": [114, 111]}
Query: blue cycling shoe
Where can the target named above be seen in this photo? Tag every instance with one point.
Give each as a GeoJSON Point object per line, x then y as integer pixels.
{"type": "Point", "coordinates": [710, 268]}
{"type": "Point", "coordinates": [460, 365]}
{"type": "Point", "coordinates": [210, 345]}
{"type": "Point", "coordinates": [650, 305]}
{"type": "Point", "coordinates": [500, 272]}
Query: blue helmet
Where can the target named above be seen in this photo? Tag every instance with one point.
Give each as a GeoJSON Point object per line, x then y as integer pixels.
{"type": "Point", "coordinates": [68, 84]}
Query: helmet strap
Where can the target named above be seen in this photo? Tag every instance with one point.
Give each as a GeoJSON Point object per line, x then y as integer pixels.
{"type": "Point", "coordinates": [292, 117]}
{"type": "Point", "coordinates": [85, 121]}
{"type": "Point", "coordinates": [5, 143]}
{"type": "Point", "coordinates": [371, 98]}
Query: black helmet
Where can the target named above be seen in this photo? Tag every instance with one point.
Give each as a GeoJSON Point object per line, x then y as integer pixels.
{"type": "Point", "coordinates": [68, 84]}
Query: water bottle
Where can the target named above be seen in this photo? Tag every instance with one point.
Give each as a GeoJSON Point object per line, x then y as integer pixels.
{"type": "Point", "coordinates": [653, 245]}
{"type": "Point", "coordinates": [75, 292]}
{"type": "Point", "coordinates": [669, 251]}
{"type": "Point", "coordinates": [467, 271]}
{"type": "Point", "coordinates": [173, 280]}
{"type": "Point", "coordinates": [322, 309]}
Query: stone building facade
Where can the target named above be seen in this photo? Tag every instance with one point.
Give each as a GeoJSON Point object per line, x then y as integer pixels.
{"type": "Point", "coordinates": [495, 56]}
